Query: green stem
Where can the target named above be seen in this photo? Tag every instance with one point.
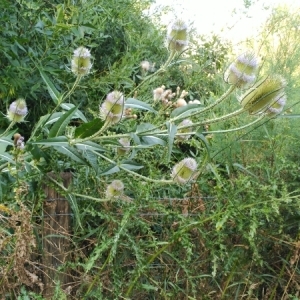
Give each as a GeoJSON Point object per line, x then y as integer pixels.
{"type": "Point", "coordinates": [237, 128]}
{"type": "Point", "coordinates": [218, 101]}
{"type": "Point", "coordinates": [78, 78]}
{"type": "Point", "coordinates": [160, 70]}
{"type": "Point", "coordinates": [8, 128]}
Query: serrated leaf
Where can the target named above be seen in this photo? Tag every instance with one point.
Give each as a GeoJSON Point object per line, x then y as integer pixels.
{"type": "Point", "coordinates": [137, 104]}
{"type": "Point", "coordinates": [59, 127]}
{"type": "Point", "coordinates": [184, 111]}
{"type": "Point", "coordinates": [54, 93]}
{"type": "Point", "coordinates": [88, 129]}
{"type": "Point", "coordinates": [110, 170]}
{"type": "Point", "coordinates": [72, 153]}
{"type": "Point", "coordinates": [78, 114]}
{"type": "Point", "coordinates": [57, 141]}
{"type": "Point", "coordinates": [172, 129]}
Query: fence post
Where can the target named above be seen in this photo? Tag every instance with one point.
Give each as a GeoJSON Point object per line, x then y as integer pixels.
{"type": "Point", "coordinates": [56, 237]}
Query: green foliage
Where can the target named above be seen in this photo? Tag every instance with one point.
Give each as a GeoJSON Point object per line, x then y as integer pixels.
{"type": "Point", "coordinates": [230, 230]}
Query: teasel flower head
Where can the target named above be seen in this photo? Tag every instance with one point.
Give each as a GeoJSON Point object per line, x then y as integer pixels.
{"type": "Point", "coordinates": [184, 171]}
{"type": "Point", "coordinates": [177, 37]}
{"type": "Point", "coordinates": [278, 105]}
{"type": "Point", "coordinates": [263, 94]}
{"type": "Point", "coordinates": [112, 108]}
{"type": "Point", "coordinates": [185, 122]}
{"type": "Point", "coordinates": [114, 190]}
{"type": "Point", "coordinates": [125, 142]}
{"type": "Point", "coordinates": [17, 111]}
{"type": "Point", "coordinates": [81, 61]}
{"type": "Point", "coordinates": [242, 72]}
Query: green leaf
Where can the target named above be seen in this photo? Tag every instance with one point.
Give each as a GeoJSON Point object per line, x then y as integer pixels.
{"type": "Point", "coordinates": [185, 111]}
{"type": "Point", "coordinates": [131, 165]}
{"type": "Point", "coordinates": [88, 129]}
{"type": "Point", "coordinates": [57, 141]}
{"type": "Point", "coordinates": [51, 118]}
{"type": "Point", "coordinates": [8, 158]}
{"type": "Point", "coordinates": [54, 93]}
{"type": "Point", "coordinates": [134, 103]}
{"type": "Point", "coordinates": [110, 170]}
{"type": "Point", "coordinates": [239, 166]}
{"type": "Point", "coordinates": [172, 129]}
{"type": "Point", "coordinates": [72, 153]}
{"type": "Point", "coordinates": [88, 145]}
{"type": "Point", "coordinates": [59, 127]}
{"type": "Point", "coordinates": [6, 141]}
{"type": "Point", "coordinates": [152, 140]}
{"type": "Point", "coordinates": [144, 127]}
{"type": "Point", "coordinates": [77, 115]}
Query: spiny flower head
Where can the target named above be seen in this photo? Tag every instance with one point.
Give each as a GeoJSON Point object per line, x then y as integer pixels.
{"type": "Point", "coordinates": [263, 94]}
{"type": "Point", "coordinates": [184, 171]}
{"type": "Point", "coordinates": [242, 72]}
{"type": "Point", "coordinates": [278, 105]}
{"type": "Point", "coordinates": [17, 110]}
{"type": "Point", "coordinates": [112, 108]}
{"type": "Point", "coordinates": [114, 190]}
{"type": "Point", "coordinates": [177, 37]}
{"type": "Point", "coordinates": [185, 122]}
{"type": "Point", "coordinates": [81, 61]}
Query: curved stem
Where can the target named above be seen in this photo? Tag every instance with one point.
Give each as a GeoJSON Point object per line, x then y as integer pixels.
{"type": "Point", "coordinates": [218, 101]}
{"type": "Point", "coordinates": [160, 70]}
{"type": "Point", "coordinates": [8, 128]}
{"type": "Point", "coordinates": [78, 78]}
{"type": "Point", "coordinates": [237, 128]}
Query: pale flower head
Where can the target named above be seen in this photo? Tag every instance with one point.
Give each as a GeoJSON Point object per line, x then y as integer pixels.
{"type": "Point", "coordinates": [177, 36]}
{"type": "Point", "coordinates": [81, 61]}
{"type": "Point", "coordinates": [278, 105]}
{"type": "Point", "coordinates": [184, 171]}
{"type": "Point", "coordinates": [145, 65]}
{"type": "Point", "coordinates": [17, 111]}
{"type": "Point", "coordinates": [242, 72]}
{"type": "Point", "coordinates": [114, 190]}
{"type": "Point", "coordinates": [112, 108]}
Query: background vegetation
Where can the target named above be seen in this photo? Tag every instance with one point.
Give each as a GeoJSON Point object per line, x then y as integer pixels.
{"type": "Point", "coordinates": [232, 234]}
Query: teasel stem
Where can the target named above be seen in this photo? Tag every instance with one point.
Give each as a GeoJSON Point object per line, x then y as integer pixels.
{"type": "Point", "coordinates": [218, 101]}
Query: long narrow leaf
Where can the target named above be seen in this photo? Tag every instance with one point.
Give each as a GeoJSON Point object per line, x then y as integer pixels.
{"type": "Point", "coordinates": [59, 127]}
{"type": "Point", "coordinates": [134, 103]}
{"type": "Point", "coordinates": [54, 93]}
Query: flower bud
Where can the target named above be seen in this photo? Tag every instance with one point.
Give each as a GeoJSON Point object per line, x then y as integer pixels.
{"type": "Point", "coordinates": [81, 61]}
{"type": "Point", "coordinates": [125, 142]}
{"type": "Point", "coordinates": [177, 35]}
{"type": "Point", "coordinates": [181, 102]}
{"type": "Point", "coordinates": [242, 72]}
{"type": "Point", "coordinates": [17, 111]}
{"type": "Point", "coordinates": [114, 190]}
{"type": "Point", "coordinates": [184, 171]}
{"type": "Point", "coordinates": [112, 108]}
{"type": "Point", "coordinates": [263, 94]}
